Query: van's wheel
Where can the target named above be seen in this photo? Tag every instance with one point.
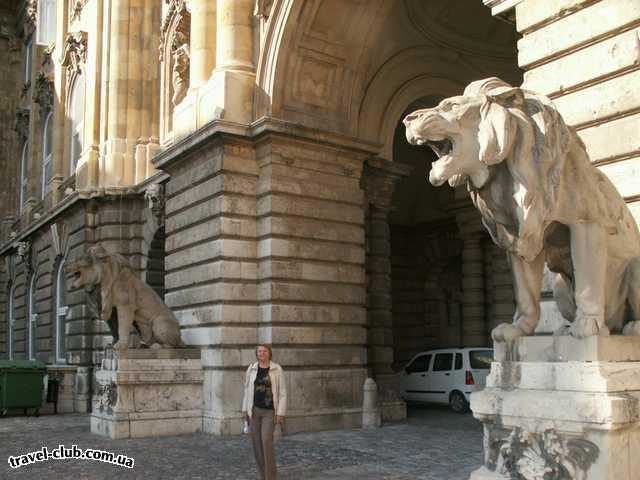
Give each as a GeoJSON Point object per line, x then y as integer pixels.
{"type": "Point", "coordinates": [458, 403]}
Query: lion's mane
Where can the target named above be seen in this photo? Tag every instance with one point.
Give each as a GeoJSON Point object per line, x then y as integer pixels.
{"type": "Point", "coordinates": [539, 170]}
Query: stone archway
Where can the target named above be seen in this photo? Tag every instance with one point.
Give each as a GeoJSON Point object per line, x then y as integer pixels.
{"type": "Point", "coordinates": [350, 70]}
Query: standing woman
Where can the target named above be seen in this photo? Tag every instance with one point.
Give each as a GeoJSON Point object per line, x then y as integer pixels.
{"type": "Point", "coordinates": [264, 404]}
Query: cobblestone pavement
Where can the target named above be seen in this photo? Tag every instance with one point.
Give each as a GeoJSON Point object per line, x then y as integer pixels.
{"type": "Point", "coordinates": [433, 444]}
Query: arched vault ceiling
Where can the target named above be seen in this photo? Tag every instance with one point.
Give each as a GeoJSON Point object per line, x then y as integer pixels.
{"type": "Point", "coordinates": [342, 65]}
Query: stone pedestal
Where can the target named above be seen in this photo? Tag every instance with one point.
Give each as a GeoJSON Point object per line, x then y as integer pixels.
{"type": "Point", "coordinates": [148, 393]}
{"type": "Point", "coordinates": [560, 407]}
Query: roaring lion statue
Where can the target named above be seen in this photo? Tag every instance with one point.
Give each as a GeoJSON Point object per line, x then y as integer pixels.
{"type": "Point", "coordinates": [540, 199]}
{"type": "Point", "coordinates": [134, 301]}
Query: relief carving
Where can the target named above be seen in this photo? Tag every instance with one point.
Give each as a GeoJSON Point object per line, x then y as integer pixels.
{"type": "Point", "coordinates": [74, 55]}
{"type": "Point", "coordinates": [523, 455]}
{"type": "Point", "coordinates": [154, 194]}
{"type": "Point", "coordinates": [76, 9]}
{"type": "Point", "coordinates": [43, 92]}
{"type": "Point", "coordinates": [174, 47]}
{"type": "Point", "coordinates": [30, 17]}
{"type": "Point", "coordinates": [180, 73]}
{"type": "Point", "coordinates": [24, 253]}
{"type": "Point", "coordinates": [21, 124]}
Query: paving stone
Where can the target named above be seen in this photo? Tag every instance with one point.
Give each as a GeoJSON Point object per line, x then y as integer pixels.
{"type": "Point", "coordinates": [433, 444]}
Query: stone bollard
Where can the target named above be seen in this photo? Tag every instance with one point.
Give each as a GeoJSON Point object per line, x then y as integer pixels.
{"type": "Point", "coordinates": [370, 411]}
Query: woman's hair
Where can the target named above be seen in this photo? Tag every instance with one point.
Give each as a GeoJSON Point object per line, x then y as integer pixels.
{"type": "Point", "coordinates": [268, 347]}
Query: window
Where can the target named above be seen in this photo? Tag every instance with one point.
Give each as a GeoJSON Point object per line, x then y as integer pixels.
{"type": "Point", "coordinates": [77, 124]}
{"type": "Point", "coordinates": [47, 149]}
{"type": "Point", "coordinates": [420, 364]}
{"type": "Point", "coordinates": [12, 320]}
{"type": "Point", "coordinates": [33, 316]}
{"type": "Point", "coordinates": [481, 359]}
{"type": "Point", "coordinates": [458, 362]}
{"type": "Point", "coordinates": [61, 312]}
{"type": "Point", "coordinates": [442, 362]}
{"type": "Point", "coordinates": [24, 171]}
{"type": "Point", "coordinates": [28, 62]}
{"type": "Point", "coordinates": [46, 28]}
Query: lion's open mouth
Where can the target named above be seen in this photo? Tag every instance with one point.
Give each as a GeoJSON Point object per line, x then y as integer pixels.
{"type": "Point", "coordinates": [441, 148]}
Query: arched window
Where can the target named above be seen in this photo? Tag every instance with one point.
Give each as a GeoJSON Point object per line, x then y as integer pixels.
{"type": "Point", "coordinates": [61, 312]}
{"type": "Point", "coordinates": [47, 152]}
{"type": "Point", "coordinates": [33, 316]}
{"type": "Point", "coordinates": [46, 28]}
{"type": "Point", "coordinates": [12, 320]}
{"type": "Point", "coordinates": [24, 163]}
{"type": "Point", "coordinates": [77, 123]}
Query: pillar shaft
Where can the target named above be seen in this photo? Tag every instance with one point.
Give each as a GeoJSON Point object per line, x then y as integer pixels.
{"type": "Point", "coordinates": [473, 325]}
{"type": "Point", "coordinates": [203, 41]}
{"type": "Point", "coordinates": [235, 30]}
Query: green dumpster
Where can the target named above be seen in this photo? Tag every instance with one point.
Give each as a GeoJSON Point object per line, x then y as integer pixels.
{"type": "Point", "coordinates": [21, 385]}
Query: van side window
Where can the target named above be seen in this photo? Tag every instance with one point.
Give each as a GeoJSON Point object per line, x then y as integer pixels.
{"type": "Point", "coordinates": [458, 362]}
{"type": "Point", "coordinates": [420, 364]}
{"type": "Point", "coordinates": [442, 362]}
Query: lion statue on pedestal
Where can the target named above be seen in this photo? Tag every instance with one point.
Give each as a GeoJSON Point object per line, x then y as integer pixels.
{"type": "Point", "coordinates": [541, 199]}
{"type": "Point", "coordinates": [134, 301]}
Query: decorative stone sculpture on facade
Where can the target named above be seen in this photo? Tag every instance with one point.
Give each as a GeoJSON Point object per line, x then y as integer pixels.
{"type": "Point", "coordinates": [180, 72]}
{"type": "Point", "coordinates": [133, 300]}
{"type": "Point", "coordinates": [75, 53]}
{"type": "Point", "coordinates": [541, 199]}
{"type": "Point", "coordinates": [523, 455]}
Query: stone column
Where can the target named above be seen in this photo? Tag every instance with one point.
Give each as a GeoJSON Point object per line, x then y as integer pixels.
{"type": "Point", "coordinates": [203, 41]}
{"type": "Point", "coordinates": [473, 332]}
{"type": "Point", "coordinates": [234, 78]}
{"type": "Point", "coordinates": [380, 177]}
{"type": "Point", "coordinates": [115, 147]}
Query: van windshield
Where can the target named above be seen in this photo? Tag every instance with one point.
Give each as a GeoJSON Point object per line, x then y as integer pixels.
{"type": "Point", "coordinates": [481, 359]}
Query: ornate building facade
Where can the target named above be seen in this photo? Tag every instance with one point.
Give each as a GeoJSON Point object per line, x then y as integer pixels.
{"type": "Point", "coordinates": [247, 157]}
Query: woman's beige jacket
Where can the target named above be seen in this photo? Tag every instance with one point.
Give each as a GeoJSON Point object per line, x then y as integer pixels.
{"type": "Point", "coordinates": [278, 389]}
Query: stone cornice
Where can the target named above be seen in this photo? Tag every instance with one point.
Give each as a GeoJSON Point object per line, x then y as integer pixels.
{"type": "Point", "coordinates": [256, 132]}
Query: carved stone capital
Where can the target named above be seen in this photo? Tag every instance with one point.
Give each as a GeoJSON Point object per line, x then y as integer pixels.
{"type": "Point", "coordinates": [74, 55]}
{"type": "Point", "coordinates": [154, 194]}
{"type": "Point", "coordinates": [21, 123]}
{"type": "Point", "coordinates": [43, 91]}
{"type": "Point", "coordinates": [24, 253]}
{"type": "Point", "coordinates": [379, 180]}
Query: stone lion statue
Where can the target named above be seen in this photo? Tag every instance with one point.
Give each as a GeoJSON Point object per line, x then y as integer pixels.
{"type": "Point", "coordinates": [540, 199]}
{"type": "Point", "coordinates": [134, 301]}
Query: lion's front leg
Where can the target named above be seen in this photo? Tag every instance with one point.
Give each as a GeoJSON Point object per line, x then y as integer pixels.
{"type": "Point", "coordinates": [589, 256]}
{"type": "Point", "coordinates": [527, 278]}
{"type": "Point", "coordinates": [125, 321]}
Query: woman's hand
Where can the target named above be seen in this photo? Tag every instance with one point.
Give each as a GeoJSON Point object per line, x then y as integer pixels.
{"type": "Point", "coordinates": [280, 420]}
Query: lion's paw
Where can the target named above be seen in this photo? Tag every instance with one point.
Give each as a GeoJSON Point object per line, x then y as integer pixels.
{"type": "Point", "coordinates": [505, 332]}
{"type": "Point", "coordinates": [587, 326]}
{"type": "Point", "coordinates": [632, 328]}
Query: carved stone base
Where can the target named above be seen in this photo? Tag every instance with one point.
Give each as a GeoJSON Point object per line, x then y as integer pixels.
{"type": "Point", "coordinates": [148, 393]}
{"type": "Point", "coordinates": [562, 408]}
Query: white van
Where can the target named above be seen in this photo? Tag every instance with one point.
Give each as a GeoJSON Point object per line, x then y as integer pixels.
{"type": "Point", "coordinates": [446, 375]}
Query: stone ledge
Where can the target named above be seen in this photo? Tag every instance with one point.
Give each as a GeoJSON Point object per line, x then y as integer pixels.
{"type": "Point", "coordinates": [601, 411]}
{"type": "Point", "coordinates": [164, 353]}
{"type": "Point", "coordinates": [595, 377]}
{"type": "Point", "coordinates": [615, 348]}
